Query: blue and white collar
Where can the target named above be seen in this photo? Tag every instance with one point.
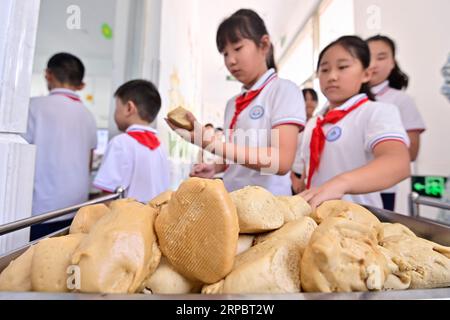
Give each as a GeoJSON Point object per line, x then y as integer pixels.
{"type": "Point", "coordinates": [376, 90]}
{"type": "Point", "coordinates": [265, 78]}
{"type": "Point", "coordinates": [351, 102]}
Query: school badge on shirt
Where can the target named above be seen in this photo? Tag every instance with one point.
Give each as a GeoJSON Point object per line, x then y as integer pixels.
{"type": "Point", "coordinates": [334, 134]}
{"type": "Point", "coordinates": [257, 112]}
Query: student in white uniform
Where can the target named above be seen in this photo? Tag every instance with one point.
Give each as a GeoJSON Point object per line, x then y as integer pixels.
{"type": "Point", "coordinates": [135, 160]}
{"type": "Point", "coordinates": [358, 147]}
{"type": "Point", "coordinates": [204, 156]}
{"type": "Point", "coordinates": [311, 102]}
{"type": "Point", "coordinates": [388, 82]}
{"type": "Point", "coordinates": [266, 105]}
{"type": "Point", "coordinates": [65, 134]}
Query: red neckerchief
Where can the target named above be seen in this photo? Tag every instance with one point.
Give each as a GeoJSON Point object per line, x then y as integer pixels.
{"type": "Point", "coordinates": [318, 136]}
{"type": "Point", "coordinates": [146, 138]}
{"type": "Point", "coordinates": [244, 100]}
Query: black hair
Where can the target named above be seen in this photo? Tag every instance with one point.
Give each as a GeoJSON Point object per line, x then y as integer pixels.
{"type": "Point", "coordinates": [244, 24]}
{"type": "Point", "coordinates": [66, 68]}
{"type": "Point", "coordinates": [210, 125]}
{"type": "Point", "coordinates": [219, 129]}
{"type": "Point", "coordinates": [144, 95]}
{"type": "Point", "coordinates": [397, 79]}
{"type": "Point", "coordinates": [359, 49]}
{"type": "Point", "coordinates": [312, 92]}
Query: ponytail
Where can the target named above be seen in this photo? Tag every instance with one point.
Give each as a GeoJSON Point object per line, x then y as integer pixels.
{"type": "Point", "coordinates": [398, 79]}
{"type": "Point", "coordinates": [271, 64]}
{"type": "Point", "coordinates": [365, 88]}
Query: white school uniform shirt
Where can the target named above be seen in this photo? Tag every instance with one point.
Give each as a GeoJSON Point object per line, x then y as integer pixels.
{"type": "Point", "coordinates": [298, 166]}
{"type": "Point", "coordinates": [65, 133]}
{"type": "Point", "coordinates": [409, 113]}
{"type": "Point", "coordinates": [142, 172]}
{"type": "Point", "coordinates": [280, 102]}
{"type": "Point", "coordinates": [350, 142]}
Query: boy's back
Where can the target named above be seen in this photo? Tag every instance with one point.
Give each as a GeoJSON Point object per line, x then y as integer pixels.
{"type": "Point", "coordinates": [127, 163]}
{"type": "Point", "coordinates": [65, 133]}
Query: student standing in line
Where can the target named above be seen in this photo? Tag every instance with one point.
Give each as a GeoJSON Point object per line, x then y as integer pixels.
{"type": "Point", "coordinates": [65, 134]}
{"type": "Point", "coordinates": [266, 106]}
{"type": "Point", "coordinates": [311, 101]}
{"type": "Point", "coordinates": [388, 82]}
{"type": "Point", "coordinates": [358, 147]}
{"type": "Point", "coordinates": [135, 160]}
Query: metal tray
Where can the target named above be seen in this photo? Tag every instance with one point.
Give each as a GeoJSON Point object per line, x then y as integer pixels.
{"type": "Point", "coordinates": [424, 228]}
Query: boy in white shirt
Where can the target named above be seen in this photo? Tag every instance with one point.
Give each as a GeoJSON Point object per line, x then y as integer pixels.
{"type": "Point", "coordinates": [65, 134]}
{"type": "Point", "coordinates": [135, 160]}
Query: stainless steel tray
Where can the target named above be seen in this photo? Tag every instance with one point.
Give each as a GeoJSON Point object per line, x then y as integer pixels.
{"type": "Point", "coordinates": [424, 228]}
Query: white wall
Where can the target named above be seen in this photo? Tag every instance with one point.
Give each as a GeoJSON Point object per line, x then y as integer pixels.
{"type": "Point", "coordinates": [18, 25]}
{"type": "Point", "coordinates": [421, 30]}
{"type": "Point", "coordinates": [217, 90]}
{"type": "Point", "coordinates": [180, 77]}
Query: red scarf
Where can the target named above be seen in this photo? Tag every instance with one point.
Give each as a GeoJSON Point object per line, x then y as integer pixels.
{"type": "Point", "coordinates": [146, 138]}
{"type": "Point", "coordinates": [318, 137]}
{"type": "Point", "coordinates": [243, 101]}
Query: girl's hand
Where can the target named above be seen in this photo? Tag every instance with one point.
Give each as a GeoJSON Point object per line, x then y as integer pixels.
{"type": "Point", "coordinates": [203, 170]}
{"type": "Point", "coordinates": [198, 136]}
{"type": "Point", "coordinates": [332, 190]}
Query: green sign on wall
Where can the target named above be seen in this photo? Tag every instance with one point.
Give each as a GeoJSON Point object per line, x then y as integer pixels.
{"type": "Point", "coordinates": [107, 31]}
{"type": "Point", "coordinates": [429, 186]}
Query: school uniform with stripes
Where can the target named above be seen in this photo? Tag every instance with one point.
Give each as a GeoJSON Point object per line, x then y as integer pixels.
{"type": "Point", "coordinates": [136, 161]}
{"type": "Point", "coordinates": [270, 103]}
{"type": "Point", "coordinates": [349, 142]}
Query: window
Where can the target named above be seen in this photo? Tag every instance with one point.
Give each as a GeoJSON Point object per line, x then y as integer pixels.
{"type": "Point", "coordinates": [298, 66]}
{"type": "Point", "coordinates": [333, 19]}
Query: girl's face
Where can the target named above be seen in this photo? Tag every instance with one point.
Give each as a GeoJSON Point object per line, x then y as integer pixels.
{"type": "Point", "coordinates": [246, 61]}
{"type": "Point", "coordinates": [382, 62]}
{"type": "Point", "coordinates": [311, 105]}
{"type": "Point", "coordinates": [341, 75]}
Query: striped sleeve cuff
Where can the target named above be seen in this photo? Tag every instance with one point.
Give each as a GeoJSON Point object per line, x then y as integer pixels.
{"type": "Point", "coordinates": [289, 121]}
{"type": "Point", "coordinates": [388, 137]}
